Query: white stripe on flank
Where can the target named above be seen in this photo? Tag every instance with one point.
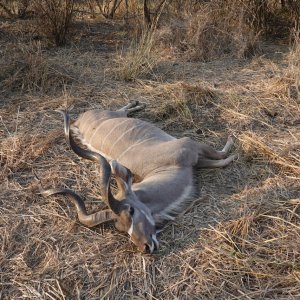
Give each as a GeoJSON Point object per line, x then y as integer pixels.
{"type": "Point", "coordinates": [88, 126]}
{"type": "Point", "coordinates": [97, 130]}
{"type": "Point", "coordinates": [117, 125]}
{"type": "Point", "coordinates": [134, 145]}
{"type": "Point", "coordinates": [90, 147]}
{"type": "Point", "coordinates": [107, 157]}
{"type": "Point", "coordinates": [122, 135]}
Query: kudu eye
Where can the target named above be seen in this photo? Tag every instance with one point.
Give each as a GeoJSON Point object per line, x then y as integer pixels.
{"type": "Point", "coordinates": [131, 211]}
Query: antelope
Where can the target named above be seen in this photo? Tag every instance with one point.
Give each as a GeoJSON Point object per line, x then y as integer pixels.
{"type": "Point", "coordinates": [153, 171]}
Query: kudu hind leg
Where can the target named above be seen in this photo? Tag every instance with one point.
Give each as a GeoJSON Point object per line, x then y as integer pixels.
{"type": "Point", "coordinates": [211, 158]}
{"type": "Point", "coordinates": [210, 153]}
{"type": "Point", "coordinates": [227, 146]}
{"type": "Point", "coordinates": [132, 107]}
{"type": "Point", "coordinates": [216, 163]}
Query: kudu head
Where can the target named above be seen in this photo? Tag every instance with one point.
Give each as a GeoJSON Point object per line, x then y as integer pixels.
{"type": "Point", "coordinates": [130, 214]}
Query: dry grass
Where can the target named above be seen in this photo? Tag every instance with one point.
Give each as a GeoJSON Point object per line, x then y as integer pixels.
{"type": "Point", "coordinates": [241, 238]}
{"type": "Point", "coordinates": [28, 69]}
{"type": "Point", "coordinates": [210, 30]}
{"type": "Point", "coordinates": [139, 59]}
{"type": "Point", "coordinates": [182, 104]}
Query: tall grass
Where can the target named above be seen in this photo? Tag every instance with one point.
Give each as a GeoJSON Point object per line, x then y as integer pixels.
{"type": "Point", "coordinates": [139, 59]}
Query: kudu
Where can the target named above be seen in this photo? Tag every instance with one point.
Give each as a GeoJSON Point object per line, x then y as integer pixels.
{"type": "Point", "coordinates": [153, 171]}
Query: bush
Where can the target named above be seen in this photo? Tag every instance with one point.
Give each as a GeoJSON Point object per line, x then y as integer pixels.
{"type": "Point", "coordinates": [54, 18]}
{"type": "Point", "coordinates": [213, 30]}
{"type": "Point", "coordinates": [205, 30]}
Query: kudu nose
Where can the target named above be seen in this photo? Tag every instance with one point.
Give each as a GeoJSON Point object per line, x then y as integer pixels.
{"type": "Point", "coordinates": [146, 248]}
{"type": "Point", "coordinates": [149, 248]}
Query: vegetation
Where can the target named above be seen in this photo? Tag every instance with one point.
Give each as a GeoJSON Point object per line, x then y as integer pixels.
{"type": "Point", "coordinates": [205, 69]}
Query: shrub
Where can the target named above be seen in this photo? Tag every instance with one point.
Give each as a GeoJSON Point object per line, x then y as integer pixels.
{"type": "Point", "coordinates": [54, 18]}
{"type": "Point", "coordinates": [214, 29]}
{"type": "Point", "coordinates": [205, 30]}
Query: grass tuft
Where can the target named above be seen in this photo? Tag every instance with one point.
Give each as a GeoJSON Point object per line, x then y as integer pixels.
{"type": "Point", "coordinates": [139, 59]}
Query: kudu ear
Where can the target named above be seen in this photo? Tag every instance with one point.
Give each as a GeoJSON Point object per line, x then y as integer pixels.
{"type": "Point", "coordinates": [123, 177]}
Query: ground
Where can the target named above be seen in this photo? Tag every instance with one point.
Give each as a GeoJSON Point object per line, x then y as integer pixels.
{"type": "Point", "coordinates": [240, 239]}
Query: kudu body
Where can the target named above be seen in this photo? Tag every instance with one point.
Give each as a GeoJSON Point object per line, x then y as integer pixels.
{"type": "Point", "coordinates": [153, 170]}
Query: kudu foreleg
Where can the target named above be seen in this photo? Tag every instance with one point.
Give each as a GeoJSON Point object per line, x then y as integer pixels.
{"type": "Point", "coordinates": [132, 107]}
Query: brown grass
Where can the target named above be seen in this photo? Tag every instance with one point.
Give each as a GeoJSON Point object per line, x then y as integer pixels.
{"type": "Point", "coordinates": [28, 69]}
{"type": "Point", "coordinates": [210, 30]}
{"type": "Point", "coordinates": [240, 239]}
{"type": "Point", "coordinates": [139, 59]}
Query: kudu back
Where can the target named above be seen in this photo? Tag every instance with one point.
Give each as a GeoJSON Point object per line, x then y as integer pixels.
{"type": "Point", "coordinates": [153, 171]}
